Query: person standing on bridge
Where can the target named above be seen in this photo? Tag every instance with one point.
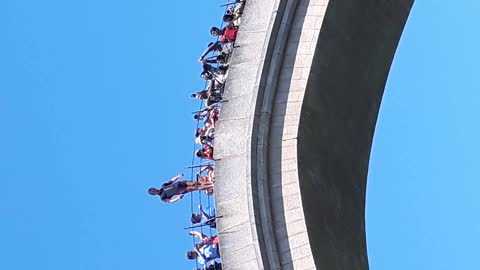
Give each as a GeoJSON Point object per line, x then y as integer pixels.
{"type": "Point", "coordinates": [172, 191]}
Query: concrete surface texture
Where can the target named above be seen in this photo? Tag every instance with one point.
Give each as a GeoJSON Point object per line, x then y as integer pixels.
{"type": "Point", "coordinates": [294, 138]}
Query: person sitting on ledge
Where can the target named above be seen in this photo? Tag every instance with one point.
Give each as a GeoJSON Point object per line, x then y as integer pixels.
{"type": "Point", "coordinates": [209, 116]}
{"type": "Point", "coordinates": [227, 34]}
{"type": "Point", "coordinates": [217, 75]}
{"type": "Point", "coordinates": [222, 48]}
{"type": "Point", "coordinates": [206, 152]}
{"type": "Point", "coordinates": [206, 217]}
{"type": "Point", "coordinates": [205, 251]}
{"type": "Point", "coordinates": [219, 59]}
{"type": "Point", "coordinates": [210, 177]}
{"type": "Point", "coordinates": [173, 191]}
{"type": "Point", "coordinates": [234, 14]}
{"type": "Point", "coordinates": [213, 266]}
{"type": "Point", "coordinates": [210, 97]}
{"type": "Point", "coordinates": [205, 135]}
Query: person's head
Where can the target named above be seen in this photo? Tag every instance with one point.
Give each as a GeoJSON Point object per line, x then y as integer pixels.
{"type": "Point", "coordinates": [228, 18]}
{"type": "Point", "coordinates": [196, 117]}
{"type": "Point", "coordinates": [192, 255]}
{"type": "Point", "coordinates": [221, 59]}
{"type": "Point", "coordinates": [222, 70]}
{"type": "Point", "coordinates": [153, 191]}
{"type": "Point", "coordinates": [206, 75]}
{"type": "Point", "coordinates": [196, 218]}
{"type": "Point", "coordinates": [215, 31]}
{"type": "Point", "coordinates": [199, 153]}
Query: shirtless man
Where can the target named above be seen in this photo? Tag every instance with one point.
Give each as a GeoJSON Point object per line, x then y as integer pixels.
{"type": "Point", "coordinates": [172, 191]}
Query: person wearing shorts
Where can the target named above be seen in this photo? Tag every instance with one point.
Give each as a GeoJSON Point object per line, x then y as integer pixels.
{"type": "Point", "coordinates": [173, 191]}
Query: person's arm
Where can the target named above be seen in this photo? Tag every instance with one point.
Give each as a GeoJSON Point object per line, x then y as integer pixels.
{"type": "Point", "coordinates": [207, 51]}
{"type": "Point", "coordinates": [176, 178]}
{"type": "Point", "coordinates": [202, 170]}
{"type": "Point", "coordinates": [200, 235]}
{"type": "Point", "coordinates": [204, 214]}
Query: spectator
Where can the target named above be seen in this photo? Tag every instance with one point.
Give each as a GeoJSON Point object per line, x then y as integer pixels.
{"type": "Point", "coordinates": [206, 217]}
{"type": "Point", "coordinates": [205, 135]}
{"type": "Point", "coordinates": [209, 95]}
{"type": "Point", "coordinates": [222, 48]}
{"type": "Point", "coordinates": [209, 116]}
{"type": "Point", "coordinates": [209, 178]}
{"type": "Point", "coordinates": [216, 78]}
{"type": "Point", "coordinates": [206, 152]}
{"type": "Point", "coordinates": [205, 251]}
{"type": "Point", "coordinates": [213, 266]}
{"type": "Point", "coordinates": [226, 35]}
{"type": "Point", "coordinates": [219, 59]}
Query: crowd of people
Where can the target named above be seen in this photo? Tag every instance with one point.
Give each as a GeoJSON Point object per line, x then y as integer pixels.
{"type": "Point", "coordinates": [215, 63]}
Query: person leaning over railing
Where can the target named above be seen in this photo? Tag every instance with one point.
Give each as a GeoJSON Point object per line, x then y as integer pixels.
{"type": "Point", "coordinates": [205, 251]}
{"type": "Point", "coordinates": [208, 115]}
{"type": "Point", "coordinates": [221, 48]}
{"type": "Point", "coordinates": [219, 59]}
{"type": "Point", "coordinates": [206, 152]}
{"type": "Point", "coordinates": [206, 217]}
{"type": "Point", "coordinates": [213, 266]}
{"type": "Point", "coordinates": [216, 75]}
{"type": "Point", "coordinates": [226, 35]}
{"type": "Point", "coordinates": [210, 96]}
{"type": "Point", "coordinates": [209, 177]}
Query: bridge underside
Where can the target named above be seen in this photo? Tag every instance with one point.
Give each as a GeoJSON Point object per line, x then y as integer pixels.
{"type": "Point", "coordinates": [294, 140]}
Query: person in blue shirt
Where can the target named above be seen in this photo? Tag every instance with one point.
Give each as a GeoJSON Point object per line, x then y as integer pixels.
{"type": "Point", "coordinates": [213, 266]}
{"type": "Point", "coordinates": [206, 217]}
{"type": "Point", "coordinates": [205, 251]}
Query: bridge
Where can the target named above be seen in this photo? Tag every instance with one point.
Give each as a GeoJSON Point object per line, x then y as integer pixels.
{"type": "Point", "coordinates": [295, 134]}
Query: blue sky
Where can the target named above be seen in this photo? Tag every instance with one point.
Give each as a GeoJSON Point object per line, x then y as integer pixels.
{"type": "Point", "coordinates": [422, 199]}
{"type": "Point", "coordinates": [94, 109]}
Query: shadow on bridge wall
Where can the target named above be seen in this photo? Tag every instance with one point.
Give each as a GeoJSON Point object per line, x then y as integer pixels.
{"type": "Point", "coordinates": [353, 56]}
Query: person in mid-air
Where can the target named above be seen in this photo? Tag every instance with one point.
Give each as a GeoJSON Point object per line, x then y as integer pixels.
{"type": "Point", "coordinates": [172, 191]}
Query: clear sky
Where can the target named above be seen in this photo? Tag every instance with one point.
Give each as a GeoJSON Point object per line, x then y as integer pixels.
{"type": "Point", "coordinates": [94, 109]}
{"type": "Point", "coordinates": [422, 200]}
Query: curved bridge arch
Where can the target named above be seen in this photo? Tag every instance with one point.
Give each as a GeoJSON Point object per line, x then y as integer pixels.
{"type": "Point", "coordinates": [294, 138]}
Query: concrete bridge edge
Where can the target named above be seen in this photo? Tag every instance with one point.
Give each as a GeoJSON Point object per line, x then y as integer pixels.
{"type": "Point", "coordinates": [256, 233]}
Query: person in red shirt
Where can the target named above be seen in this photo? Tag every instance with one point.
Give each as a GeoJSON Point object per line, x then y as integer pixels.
{"type": "Point", "coordinates": [206, 152]}
{"type": "Point", "coordinates": [227, 34]}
